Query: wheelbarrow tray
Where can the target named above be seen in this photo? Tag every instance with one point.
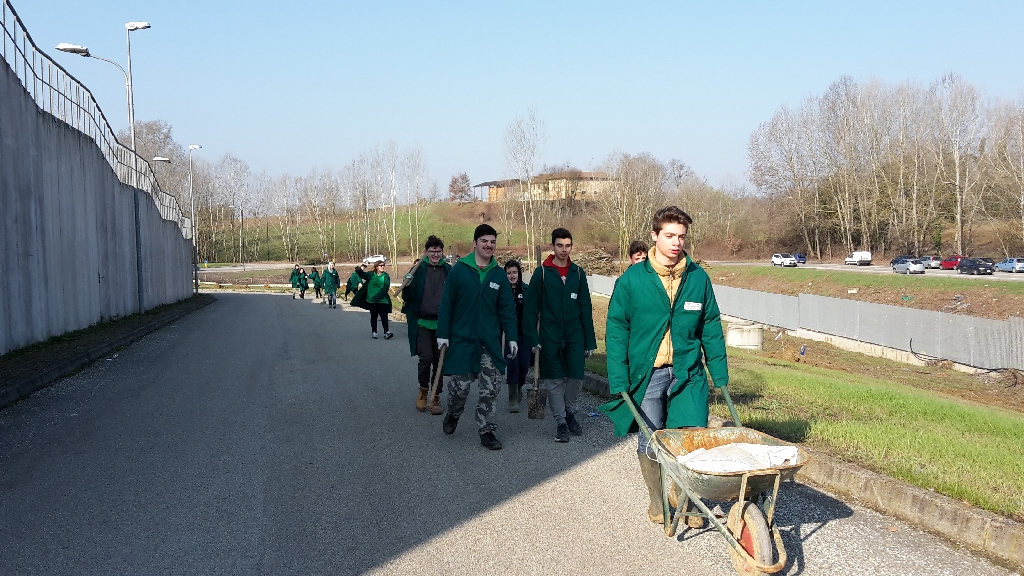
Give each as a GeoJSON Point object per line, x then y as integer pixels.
{"type": "Point", "coordinates": [719, 486]}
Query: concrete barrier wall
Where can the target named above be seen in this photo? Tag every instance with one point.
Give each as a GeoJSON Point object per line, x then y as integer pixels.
{"type": "Point", "coordinates": [69, 255]}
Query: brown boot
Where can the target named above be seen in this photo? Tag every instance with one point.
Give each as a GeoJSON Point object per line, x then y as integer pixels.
{"type": "Point", "coordinates": [435, 405]}
{"type": "Point", "coordinates": [421, 402]}
{"type": "Point", "coordinates": [651, 471]}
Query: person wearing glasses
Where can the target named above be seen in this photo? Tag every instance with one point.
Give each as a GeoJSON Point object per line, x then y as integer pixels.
{"type": "Point", "coordinates": [374, 295]}
{"type": "Point", "coordinates": [421, 297]}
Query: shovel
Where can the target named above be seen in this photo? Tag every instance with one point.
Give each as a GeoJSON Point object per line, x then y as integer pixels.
{"type": "Point", "coordinates": [438, 375]}
{"type": "Point", "coordinates": [536, 399]}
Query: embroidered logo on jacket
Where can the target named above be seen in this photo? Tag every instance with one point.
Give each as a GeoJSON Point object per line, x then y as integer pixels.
{"type": "Point", "coordinates": [494, 285]}
{"type": "Point", "coordinates": [692, 306]}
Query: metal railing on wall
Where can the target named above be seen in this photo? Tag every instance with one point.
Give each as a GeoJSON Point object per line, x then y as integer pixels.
{"type": "Point", "coordinates": [60, 94]}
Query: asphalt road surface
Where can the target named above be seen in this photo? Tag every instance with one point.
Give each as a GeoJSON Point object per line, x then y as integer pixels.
{"type": "Point", "coordinates": [265, 435]}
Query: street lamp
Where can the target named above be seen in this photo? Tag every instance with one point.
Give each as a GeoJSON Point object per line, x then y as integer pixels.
{"type": "Point", "coordinates": [192, 211]}
{"type": "Point", "coordinates": [84, 52]}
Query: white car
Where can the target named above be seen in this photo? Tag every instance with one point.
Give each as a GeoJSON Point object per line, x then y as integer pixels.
{"type": "Point", "coordinates": [374, 259]}
{"type": "Point", "coordinates": [1011, 265]}
{"type": "Point", "coordinates": [783, 260]}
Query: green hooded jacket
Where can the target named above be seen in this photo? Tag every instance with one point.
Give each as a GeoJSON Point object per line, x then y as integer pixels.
{"type": "Point", "coordinates": [294, 278]}
{"type": "Point", "coordinates": [638, 315]}
{"type": "Point", "coordinates": [374, 291]}
{"type": "Point", "coordinates": [317, 282]}
{"type": "Point", "coordinates": [353, 283]}
{"type": "Point", "coordinates": [476, 307]}
{"type": "Point", "coordinates": [411, 296]}
{"type": "Point", "coordinates": [566, 318]}
{"type": "Point", "coordinates": [331, 280]}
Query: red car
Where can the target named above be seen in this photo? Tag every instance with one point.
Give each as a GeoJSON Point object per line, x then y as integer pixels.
{"type": "Point", "coordinates": [951, 262]}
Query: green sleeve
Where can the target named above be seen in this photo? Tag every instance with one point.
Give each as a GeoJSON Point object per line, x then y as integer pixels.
{"type": "Point", "coordinates": [712, 340]}
{"type": "Point", "coordinates": [617, 337]}
{"type": "Point", "coordinates": [586, 314]}
{"type": "Point", "coordinates": [531, 308]}
{"type": "Point", "coordinates": [507, 310]}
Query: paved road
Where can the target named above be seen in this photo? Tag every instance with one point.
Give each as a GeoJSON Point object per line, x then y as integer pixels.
{"type": "Point", "coordinates": [884, 268]}
{"type": "Point", "coordinates": [263, 435]}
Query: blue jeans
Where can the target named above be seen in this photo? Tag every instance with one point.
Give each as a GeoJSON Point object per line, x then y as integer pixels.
{"type": "Point", "coordinates": [654, 406]}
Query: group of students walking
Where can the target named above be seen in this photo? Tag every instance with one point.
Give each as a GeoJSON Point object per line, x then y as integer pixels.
{"type": "Point", "coordinates": [663, 338]}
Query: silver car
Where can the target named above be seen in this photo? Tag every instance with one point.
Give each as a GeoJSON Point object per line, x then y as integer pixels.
{"type": "Point", "coordinates": [905, 266]}
{"type": "Point", "coordinates": [1011, 265]}
{"type": "Point", "coordinates": [931, 261]}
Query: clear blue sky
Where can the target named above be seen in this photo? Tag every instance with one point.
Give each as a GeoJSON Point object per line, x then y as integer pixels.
{"type": "Point", "coordinates": [293, 85]}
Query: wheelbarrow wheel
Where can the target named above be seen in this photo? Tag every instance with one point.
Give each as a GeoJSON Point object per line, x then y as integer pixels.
{"type": "Point", "coordinates": [748, 526]}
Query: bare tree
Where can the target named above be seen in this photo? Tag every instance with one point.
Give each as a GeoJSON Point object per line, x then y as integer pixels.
{"type": "Point", "coordinates": [637, 191]}
{"type": "Point", "coordinates": [522, 141]}
{"type": "Point", "coordinates": [460, 189]}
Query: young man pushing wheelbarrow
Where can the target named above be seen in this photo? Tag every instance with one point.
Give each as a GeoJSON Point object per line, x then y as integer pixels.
{"type": "Point", "coordinates": [663, 327]}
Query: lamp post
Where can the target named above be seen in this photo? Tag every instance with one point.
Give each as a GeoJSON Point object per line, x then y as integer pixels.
{"type": "Point", "coordinates": [84, 52]}
{"type": "Point", "coordinates": [192, 211]}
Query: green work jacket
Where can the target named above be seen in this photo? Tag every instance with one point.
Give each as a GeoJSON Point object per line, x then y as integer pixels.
{"type": "Point", "coordinates": [317, 283]}
{"type": "Point", "coordinates": [566, 314]}
{"type": "Point", "coordinates": [294, 278]}
{"type": "Point", "coordinates": [476, 307]}
{"type": "Point", "coordinates": [411, 296]}
{"type": "Point", "coordinates": [303, 281]}
{"type": "Point", "coordinates": [331, 280]}
{"type": "Point", "coordinates": [353, 283]}
{"type": "Point", "coordinates": [638, 315]}
{"type": "Point", "coordinates": [373, 291]}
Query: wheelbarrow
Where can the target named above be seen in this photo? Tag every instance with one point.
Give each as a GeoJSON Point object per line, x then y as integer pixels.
{"type": "Point", "coordinates": [750, 528]}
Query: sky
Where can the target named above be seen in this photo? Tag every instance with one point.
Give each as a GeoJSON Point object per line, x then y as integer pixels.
{"type": "Point", "coordinates": [291, 86]}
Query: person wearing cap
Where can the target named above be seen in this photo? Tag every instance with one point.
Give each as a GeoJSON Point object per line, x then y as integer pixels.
{"type": "Point", "coordinates": [421, 297]}
{"type": "Point", "coordinates": [559, 301]}
{"type": "Point", "coordinates": [664, 328]}
{"type": "Point", "coordinates": [476, 307]}
{"type": "Point", "coordinates": [331, 281]}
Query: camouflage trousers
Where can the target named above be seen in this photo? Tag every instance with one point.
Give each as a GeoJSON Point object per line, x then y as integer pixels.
{"type": "Point", "coordinates": [486, 405]}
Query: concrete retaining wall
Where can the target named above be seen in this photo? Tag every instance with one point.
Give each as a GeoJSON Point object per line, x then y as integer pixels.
{"type": "Point", "coordinates": [69, 230]}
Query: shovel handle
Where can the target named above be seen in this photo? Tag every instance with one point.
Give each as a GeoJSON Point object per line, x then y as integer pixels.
{"type": "Point", "coordinates": [536, 371]}
{"type": "Point", "coordinates": [438, 375]}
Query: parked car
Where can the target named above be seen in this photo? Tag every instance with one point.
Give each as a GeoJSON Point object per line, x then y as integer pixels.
{"type": "Point", "coordinates": [800, 258]}
{"type": "Point", "coordinates": [987, 260]}
{"type": "Point", "coordinates": [858, 258]}
{"type": "Point", "coordinates": [783, 260]}
{"type": "Point", "coordinates": [951, 262]}
{"type": "Point", "coordinates": [974, 266]}
{"type": "Point", "coordinates": [374, 259]}
{"type": "Point", "coordinates": [908, 266]}
{"type": "Point", "coordinates": [1011, 265]}
{"type": "Point", "coordinates": [903, 257]}
{"type": "Point", "coordinates": [931, 261]}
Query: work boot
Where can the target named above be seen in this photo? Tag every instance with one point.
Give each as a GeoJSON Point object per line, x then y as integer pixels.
{"type": "Point", "coordinates": [487, 440]}
{"type": "Point", "coordinates": [562, 433]}
{"type": "Point", "coordinates": [574, 427]}
{"type": "Point", "coordinates": [651, 471]}
{"type": "Point", "coordinates": [513, 398]}
{"type": "Point", "coordinates": [435, 405]}
{"type": "Point", "coordinates": [449, 424]}
{"type": "Point", "coordinates": [421, 402]}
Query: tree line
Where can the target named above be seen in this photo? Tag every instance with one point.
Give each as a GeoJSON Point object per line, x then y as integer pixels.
{"type": "Point", "coordinates": [879, 167]}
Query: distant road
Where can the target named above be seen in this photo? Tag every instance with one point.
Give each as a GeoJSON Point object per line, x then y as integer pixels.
{"type": "Point", "coordinates": [881, 268]}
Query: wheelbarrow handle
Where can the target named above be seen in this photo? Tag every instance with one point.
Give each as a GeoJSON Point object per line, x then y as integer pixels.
{"type": "Point", "coordinates": [732, 408]}
{"type": "Point", "coordinates": [636, 416]}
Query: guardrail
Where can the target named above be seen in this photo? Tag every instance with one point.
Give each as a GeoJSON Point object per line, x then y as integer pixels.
{"type": "Point", "coordinates": [60, 94]}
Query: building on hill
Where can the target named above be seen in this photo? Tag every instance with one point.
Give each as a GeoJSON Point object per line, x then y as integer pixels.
{"type": "Point", "coordinates": [570, 185]}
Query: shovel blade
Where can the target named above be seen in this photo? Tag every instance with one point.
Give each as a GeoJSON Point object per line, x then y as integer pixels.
{"type": "Point", "coordinates": [536, 400]}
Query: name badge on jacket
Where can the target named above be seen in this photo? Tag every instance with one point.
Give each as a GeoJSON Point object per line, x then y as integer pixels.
{"type": "Point", "coordinates": [573, 295]}
{"type": "Point", "coordinates": [692, 306]}
{"type": "Point", "coordinates": [494, 285]}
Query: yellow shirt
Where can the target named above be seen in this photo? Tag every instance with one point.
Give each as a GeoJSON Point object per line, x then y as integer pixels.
{"type": "Point", "coordinates": [670, 278]}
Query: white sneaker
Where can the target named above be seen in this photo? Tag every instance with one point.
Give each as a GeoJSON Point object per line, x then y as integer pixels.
{"type": "Point", "coordinates": [374, 335]}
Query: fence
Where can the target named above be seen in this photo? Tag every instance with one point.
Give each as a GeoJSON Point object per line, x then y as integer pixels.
{"type": "Point", "coordinates": [963, 339]}
{"type": "Point", "coordinates": [56, 91]}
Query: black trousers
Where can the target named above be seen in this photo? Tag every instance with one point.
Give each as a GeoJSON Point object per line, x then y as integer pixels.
{"type": "Point", "coordinates": [377, 311]}
{"type": "Point", "coordinates": [430, 354]}
{"type": "Point", "coordinates": [318, 293]}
